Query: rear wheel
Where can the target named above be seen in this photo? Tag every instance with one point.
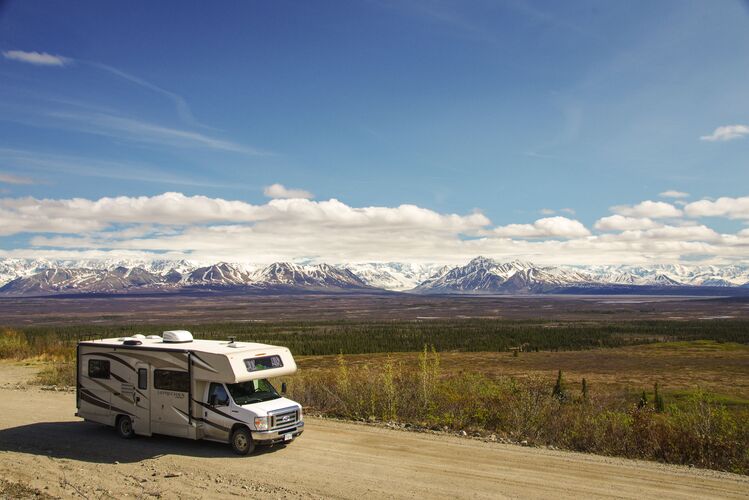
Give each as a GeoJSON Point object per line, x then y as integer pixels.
{"type": "Point", "coordinates": [241, 441]}
{"type": "Point", "coordinates": [125, 427]}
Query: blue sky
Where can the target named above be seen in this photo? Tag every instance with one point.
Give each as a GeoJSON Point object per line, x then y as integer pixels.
{"type": "Point", "coordinates": [520, 111]}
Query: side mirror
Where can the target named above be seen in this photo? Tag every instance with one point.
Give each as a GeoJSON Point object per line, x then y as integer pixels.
{"type": "Point", "coordinates": [283, 388]}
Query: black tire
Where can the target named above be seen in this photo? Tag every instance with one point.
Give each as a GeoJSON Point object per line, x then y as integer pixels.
{"type": "Point", "coordinates": [242, 442]}
{"type": "Point", "coordinates": [124, 427]}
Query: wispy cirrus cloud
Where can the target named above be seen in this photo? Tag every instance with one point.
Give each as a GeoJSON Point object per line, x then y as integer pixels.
{"type": "Point", "coordinates": [36, 58]}
{"type": "Point", "coordinates": [56, 163]}
{"type": "Point", "coordinates": [119, 127]}
{"type": "Point", "coordinates": [45, 59]}
{"type": "Point", "coordinates": [6, 178]}
{"type": "Point", "coordinates": [726, 133]}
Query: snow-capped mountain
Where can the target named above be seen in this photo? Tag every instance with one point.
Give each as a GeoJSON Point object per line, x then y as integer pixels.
{"type": "Point", "coordinates": [280, 276]}
{"type": "Point", "coordinates": [488, 276]}
{"type": "Point", "coordinates": [396, 275]}
{"type": "Point", "coordinates": [316, 276]}
{"type": "Point", "coordinates": [481, 275]}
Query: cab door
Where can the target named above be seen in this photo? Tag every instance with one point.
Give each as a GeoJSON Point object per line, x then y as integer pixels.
{"type": "Point", "coordinates": [217, 412]}
{"type": "Point", "coordinates": [142, 399]}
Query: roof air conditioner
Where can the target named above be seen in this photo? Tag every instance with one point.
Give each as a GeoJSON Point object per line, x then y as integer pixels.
{"type": "Point", "coordinates": [177, 336]}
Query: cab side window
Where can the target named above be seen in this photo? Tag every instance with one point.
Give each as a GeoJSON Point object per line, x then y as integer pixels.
{"type": "Point", "coordinates": [98, 368]}
{"type": "Point", "coordinates": [217, 395]}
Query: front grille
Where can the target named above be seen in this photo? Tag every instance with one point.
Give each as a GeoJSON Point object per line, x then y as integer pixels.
{"type": "Point", "coordinates": [284, 418]}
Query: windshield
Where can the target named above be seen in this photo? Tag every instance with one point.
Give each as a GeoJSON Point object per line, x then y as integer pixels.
{"type": "Point", "coordinates": [253, 391]}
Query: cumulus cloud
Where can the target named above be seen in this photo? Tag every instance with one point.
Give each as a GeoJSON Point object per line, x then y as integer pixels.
{"type": "Point", "coordinates": [648, 209]}
{"type": "Point", "coordinates": [675, 233]}
{"type": "Point", "coordinates": [173, 225]}
{"type": "Point", "coordinates": [623, 223]}
{"type": "Point", "coordinates": [14, 179]}
{"type": "Point", "coordinates": [674, 194]}
{"type": "Point", "coordinates": [549, 227]}
{"type": "Point", "coordinates": [732, 208]}
{"type": "Point", "coordinates": [34, 215]}
{"type": "Point", "coordinates": [279, 191]}
{"type": "Point", "coordinates": [37, 58]}
{"type": "Point", "coordinates": [727, 133]}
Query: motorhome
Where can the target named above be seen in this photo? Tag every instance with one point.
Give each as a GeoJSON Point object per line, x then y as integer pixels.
{"type": "Point", "coordinates": [180, 386]}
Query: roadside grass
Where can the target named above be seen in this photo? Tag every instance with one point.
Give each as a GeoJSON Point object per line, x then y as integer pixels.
{"type": "Point", "coordinates": [697, 428]}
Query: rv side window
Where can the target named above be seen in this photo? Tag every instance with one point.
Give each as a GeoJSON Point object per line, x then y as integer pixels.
{"type": "Point", "coordinates": [142, 378]}
{"type": "Point", "coordinates": [98, 368]}
{"type": "Point", "coordinates": [171, 380]}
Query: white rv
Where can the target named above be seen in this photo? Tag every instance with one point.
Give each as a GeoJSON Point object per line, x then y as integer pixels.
{"type": "Point", "coordinates": [180, 386]}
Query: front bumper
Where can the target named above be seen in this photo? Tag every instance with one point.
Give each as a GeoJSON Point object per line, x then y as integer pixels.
{"type": "Point", "coordinates": [277, 436]}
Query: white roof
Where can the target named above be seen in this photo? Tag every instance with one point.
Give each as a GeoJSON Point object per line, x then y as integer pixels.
{"type": "Point", "coordinates": [197, 345]}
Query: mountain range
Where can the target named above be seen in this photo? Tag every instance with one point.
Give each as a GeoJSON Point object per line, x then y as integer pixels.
{"type": "Point", "coordinates": [40, 277]}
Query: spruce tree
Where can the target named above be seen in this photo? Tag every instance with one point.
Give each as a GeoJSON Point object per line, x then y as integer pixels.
{"type": "Point", "coordinates": [585, 389]}
{"type": "Point", "coordinates": [660, 405]}
{"type": "Point", "coordinates": [558, 391]}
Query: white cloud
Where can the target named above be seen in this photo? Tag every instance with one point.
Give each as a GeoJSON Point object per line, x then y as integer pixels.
{"type": "Point", "coordinates": [570, 211]}
{"type": "Point", "coordinates": [549, 227]}
{"type": "Point", "coordinates": [674, 194]}
{"type": "Point", "coordinates": [649, 209]}
{"type": "Point", "coordinates": [676, 233]}
{"type": "Point", "coordinates": [623, 223]}
{"type": "Point", "coordinates": [727, 133]}
{"type": "Point", "coordinates": [280, 191]}
{"type": "Point", "coordinates": [14, 179]}
{"type": "Point", "coordinates": [732, 208]}
{"type": "Point", "coordinates": [37, 58]}
{"type": "Point", "coordinates": [177, 209]}
{"type": "Point", "coordinates": [547, 211]}
{"type": "Point", "coordinates": [172, 225]}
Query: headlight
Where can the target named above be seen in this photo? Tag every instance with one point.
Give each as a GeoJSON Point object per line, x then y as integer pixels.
{"type": "Point", "coordinates": [300, 413]}
{"type": "Point", "coordinates": [261, 423]}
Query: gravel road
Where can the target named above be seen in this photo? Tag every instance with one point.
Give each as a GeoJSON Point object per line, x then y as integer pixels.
{"type": "Point", "coordinates": [42, 445]}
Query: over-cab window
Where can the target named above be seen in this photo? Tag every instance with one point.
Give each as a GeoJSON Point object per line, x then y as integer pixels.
{"type": "Point", "coordinates": [171, 380]}
{"type": "Point", "coordinates": [98, 368]}
{"type": "Point", "coordinates": [263, 363]}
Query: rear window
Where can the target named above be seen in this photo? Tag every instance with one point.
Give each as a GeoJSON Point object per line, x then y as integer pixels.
{"type": "Point", "coordinates": [98, 368]}
{"type": "Point", "coordinates": [263, 363]}
{"type": "Point", "coordinates": [171, 380]}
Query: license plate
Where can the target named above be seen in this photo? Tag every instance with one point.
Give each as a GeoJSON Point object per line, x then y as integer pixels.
{"type": "Point", "coordinates": [287, 437]}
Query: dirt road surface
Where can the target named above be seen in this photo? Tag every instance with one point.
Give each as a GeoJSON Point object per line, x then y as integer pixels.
{"type": "Point", "coordinates": [42, 445]}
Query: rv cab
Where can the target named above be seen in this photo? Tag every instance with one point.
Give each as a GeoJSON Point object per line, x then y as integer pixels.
{"type": "Point", "coordinates": [180, 386]}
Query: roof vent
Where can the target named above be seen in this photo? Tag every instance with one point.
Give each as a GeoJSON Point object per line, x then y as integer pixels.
{"type": "Point", "coordinates": [139, 336]}
{"type": "Point", "coordinates": [131, 342]}
{"type": "Point", "coordinates": [177, 336]}
{"type": "Point", "coordinates": [153, 337]}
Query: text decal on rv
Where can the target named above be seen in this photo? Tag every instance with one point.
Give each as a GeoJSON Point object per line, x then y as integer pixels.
{"type": "Point", "coordinates": [264, 363]}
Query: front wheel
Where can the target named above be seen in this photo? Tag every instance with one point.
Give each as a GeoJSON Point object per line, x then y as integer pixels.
{"type": "Point", "coordinates": [242, 442]}
{"type": "Point", "coordinates": [125, 427]}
